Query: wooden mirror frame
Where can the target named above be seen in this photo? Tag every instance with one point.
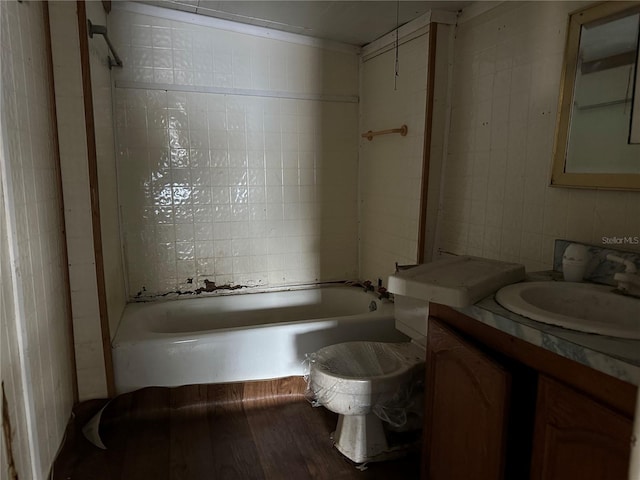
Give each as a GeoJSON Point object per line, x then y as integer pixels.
{"type": "Point", "coordinates": [635, 109]}
{"type": "Point", "coordinates": [560, 178]}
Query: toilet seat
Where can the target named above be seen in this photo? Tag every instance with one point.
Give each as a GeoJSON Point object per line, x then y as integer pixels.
{"type": "Point", "coordinates": [350, 378]}
{"type": "Point", "coordinates": [368, 359]}
{"type": "Point", "coordinates": [363, 368]}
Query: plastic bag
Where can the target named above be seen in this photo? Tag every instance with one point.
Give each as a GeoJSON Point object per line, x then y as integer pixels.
{"type": "Point", "coordinates": [356, 378]}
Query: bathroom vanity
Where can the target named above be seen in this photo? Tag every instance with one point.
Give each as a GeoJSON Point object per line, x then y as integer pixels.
{"type": "Point", "coordinates": [533, 379]}
{"type": "Point", "coordinates": [510, 398]}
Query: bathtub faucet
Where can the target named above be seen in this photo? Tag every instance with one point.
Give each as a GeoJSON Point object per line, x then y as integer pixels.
{"type": "Point", "coordinates": [629, 280]}
{"type": "Point", "coordinates": [383, 293]}
{"type": "Point", "coordinates": [368, 286]}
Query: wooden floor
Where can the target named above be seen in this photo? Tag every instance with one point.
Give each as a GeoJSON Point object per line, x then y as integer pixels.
{"type": "Point", "coordinates": [254, 430]}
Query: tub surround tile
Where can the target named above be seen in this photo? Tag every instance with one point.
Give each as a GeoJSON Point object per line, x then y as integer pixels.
{"type": "Point", "coordinates": [198, 169]}
{"type": "Point", "coordinates": [170, 51]}
{"type": "Point", "coordinates": [301, 153]}
{"type": "Point", "coordinates": [300, 197]}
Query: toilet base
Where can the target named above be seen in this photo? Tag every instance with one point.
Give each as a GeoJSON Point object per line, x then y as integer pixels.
{"type": "Point", "coordinates": [360, 438]}
{"type": "Point", "coordinates": [364, 438]}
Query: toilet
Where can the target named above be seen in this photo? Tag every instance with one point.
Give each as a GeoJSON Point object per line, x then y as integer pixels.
{"type": "Point", "coordinates": [372, 387]}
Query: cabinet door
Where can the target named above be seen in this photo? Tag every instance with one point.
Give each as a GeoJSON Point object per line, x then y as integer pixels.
{"type": "Point", "coordinates": [578, 438]}
{"type": "Point", "coordinates": [467, 403]}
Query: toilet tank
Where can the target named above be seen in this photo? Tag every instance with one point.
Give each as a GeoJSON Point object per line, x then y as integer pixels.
{"type": "Point", "coordinates": [411, 317]}
{"type": "Point", "coordinates": [457, 281]}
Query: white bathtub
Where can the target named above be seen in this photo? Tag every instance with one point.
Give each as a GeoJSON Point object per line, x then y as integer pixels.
{"type": "Point", "coordinates": [252, 336]}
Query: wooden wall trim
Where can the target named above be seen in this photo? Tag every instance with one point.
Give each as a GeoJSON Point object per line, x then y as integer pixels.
{"type": "Point", "coordinates": [616, 393]}
{"type": "Point", "coordinates": [58, 180]}
{"type": "Point", "coordinates": [428, 129]}
{"type": "Point", "coordinates": [92, 157]}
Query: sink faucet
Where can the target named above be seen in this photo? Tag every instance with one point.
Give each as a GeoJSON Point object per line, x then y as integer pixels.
{"type": "Point", "coordinates": [629, 280]}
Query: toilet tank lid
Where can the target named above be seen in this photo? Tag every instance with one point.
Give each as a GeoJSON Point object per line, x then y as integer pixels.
{"type": "Point", "coordinates": [457, 281]}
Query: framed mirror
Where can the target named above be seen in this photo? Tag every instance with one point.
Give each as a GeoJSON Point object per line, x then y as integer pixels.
{"type": "Point", "coordinates": [635, 118]}
{"type": "Point", "coordinates": [598, 116]}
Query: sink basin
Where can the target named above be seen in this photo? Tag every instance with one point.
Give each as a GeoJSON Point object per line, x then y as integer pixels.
{"type": "Point", "coordinates": [577, 306]}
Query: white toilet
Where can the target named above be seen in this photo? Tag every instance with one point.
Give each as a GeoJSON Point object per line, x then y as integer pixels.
{"type": "Point", "coordinates": [370, 384]}
{"type": "Point", "coordinates": [366, 383]}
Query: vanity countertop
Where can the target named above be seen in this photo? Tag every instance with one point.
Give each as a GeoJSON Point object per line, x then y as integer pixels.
{"type": "Point", "coordinates": [617, 357]}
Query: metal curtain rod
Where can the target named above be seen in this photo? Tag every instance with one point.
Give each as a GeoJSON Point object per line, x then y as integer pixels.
{"type": "Point", "coordinates": [369, 135]}
{"type": "Point", "coordinates": [102, 30]}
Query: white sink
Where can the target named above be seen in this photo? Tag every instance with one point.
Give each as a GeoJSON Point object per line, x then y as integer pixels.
{"type": "Point", "coordinates": [578, 306]}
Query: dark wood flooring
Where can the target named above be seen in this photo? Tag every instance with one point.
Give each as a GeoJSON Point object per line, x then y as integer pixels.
{"type": "Point", "coordinates": [253, 430]}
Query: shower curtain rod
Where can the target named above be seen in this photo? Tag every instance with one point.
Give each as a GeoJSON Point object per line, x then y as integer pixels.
{"type": "Point", "coordinates": [244, 92]}
{"type": "Point", "coordinates": [102, 30]}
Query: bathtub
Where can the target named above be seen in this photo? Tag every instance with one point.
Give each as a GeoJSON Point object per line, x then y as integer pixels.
{"type": "Point", "coordinates": [241, 337]}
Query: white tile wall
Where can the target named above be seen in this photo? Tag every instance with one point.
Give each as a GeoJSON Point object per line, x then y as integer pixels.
{"type": "Point", "coordinates": [160, 50]}
{"type": "Point", "coordinates": [496, 200]}
{"type": "Point", "coordinates": [77, 199]}
{"type": "Point", "coordinates": [33, 213]}
{"type": "Point", "coordinates": [391, 165]}
{"type": "Point", "coordinates": [10, 359]}
{"type": "Point", "coordinates": [233, 189]}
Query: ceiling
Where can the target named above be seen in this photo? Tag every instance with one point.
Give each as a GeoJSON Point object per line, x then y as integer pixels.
{"type": "Point", "coordinates": [352, 22]}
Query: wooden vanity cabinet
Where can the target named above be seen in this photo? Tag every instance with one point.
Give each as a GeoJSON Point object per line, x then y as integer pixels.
{"type": "Point", "coordinates": [577, 437]}
{"type": "Point", "coordinates": [467, 409]}
{"type": "Point", "coordinates": [497, 407]}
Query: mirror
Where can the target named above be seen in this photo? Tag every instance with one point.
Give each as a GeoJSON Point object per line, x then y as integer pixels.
{"type": "Point", "coordinates": [595, 135]}
{"type": "Point", "coordinates": [635, 118]}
